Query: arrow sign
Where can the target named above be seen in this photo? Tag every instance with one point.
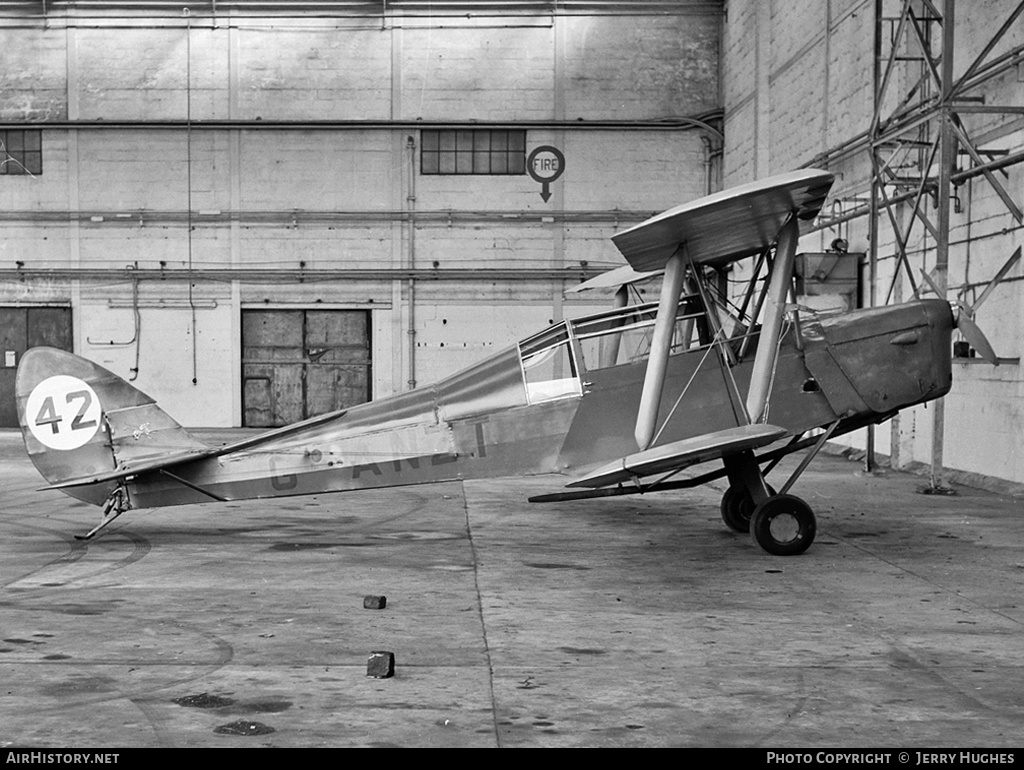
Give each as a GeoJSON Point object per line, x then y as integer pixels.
{"type": "Point", "coordinates": [545, 165]}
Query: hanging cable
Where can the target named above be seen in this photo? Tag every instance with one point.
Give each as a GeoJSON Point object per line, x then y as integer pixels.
{"type": "Point", "coordinates": [188, 172]}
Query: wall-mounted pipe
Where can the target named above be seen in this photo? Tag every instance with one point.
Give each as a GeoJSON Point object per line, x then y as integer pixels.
{"type": "Point", "coordinates": [701, 122]}
{"type": "Point", "coordinates": [955, 178]}
{"type": "Point", "coordinates": [410, 202]}
{"type": "Point", "coordinates": [226, 13]}
{"type": "Point", "coordinates": [136, 339]}
{"type": "Point", "coordinates": [292, 217]}
{"type": "Point", "coordinates": [270, 275]}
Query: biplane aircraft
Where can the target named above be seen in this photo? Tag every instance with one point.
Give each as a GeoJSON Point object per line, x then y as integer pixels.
{"type": "Point", "coordinates": [622, 401]}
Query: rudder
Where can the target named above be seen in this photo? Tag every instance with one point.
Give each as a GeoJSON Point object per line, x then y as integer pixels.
{"type": "Point", "coordinates": [81, 421]}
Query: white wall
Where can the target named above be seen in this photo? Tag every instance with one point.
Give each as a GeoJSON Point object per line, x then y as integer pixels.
{"type": "Point", "coordinates": [116, 197]}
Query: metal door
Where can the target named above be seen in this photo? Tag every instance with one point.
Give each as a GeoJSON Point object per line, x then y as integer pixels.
{"type": "Point", "coordinates": [22, 328]}
{"type": "Point", "coordinates": [303, 363]}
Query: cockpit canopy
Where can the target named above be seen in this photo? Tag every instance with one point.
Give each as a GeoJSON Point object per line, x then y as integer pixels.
{"type": "Point", "coordinates": [556, 360]}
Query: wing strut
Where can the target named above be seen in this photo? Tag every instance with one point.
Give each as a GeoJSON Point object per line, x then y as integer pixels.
{"type": "Point", "coordinates": [775, 308]}
{"type": "Point", "coordinates": [609, 351]}
{"type": "Point", "coordinates": [661, 344]}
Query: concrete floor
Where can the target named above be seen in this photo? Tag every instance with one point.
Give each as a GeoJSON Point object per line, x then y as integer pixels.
{"type": "Point", "coordinates": [616, 622]}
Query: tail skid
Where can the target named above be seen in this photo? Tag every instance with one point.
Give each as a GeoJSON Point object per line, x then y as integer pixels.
{"type": "Point", "coordinates": [116, 504]}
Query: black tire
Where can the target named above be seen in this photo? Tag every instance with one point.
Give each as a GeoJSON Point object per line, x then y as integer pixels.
{"type": "Point", "coordinates": [783, 525]}
{"type": "Point", "coordinates": [738, 507]}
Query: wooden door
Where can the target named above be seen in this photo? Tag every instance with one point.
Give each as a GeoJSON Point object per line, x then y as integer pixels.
{"type": "Point", "coordinates": [303, 363]}
{"type": "Point", "coordinates": [22, 328]}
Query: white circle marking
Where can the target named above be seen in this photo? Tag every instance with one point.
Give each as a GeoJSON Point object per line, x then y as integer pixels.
{"type": "Point", "coordinates": [63, 412]}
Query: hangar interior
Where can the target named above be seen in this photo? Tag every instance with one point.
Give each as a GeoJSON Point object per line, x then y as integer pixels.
{"type": "Point", "coordinates": [258, 212]}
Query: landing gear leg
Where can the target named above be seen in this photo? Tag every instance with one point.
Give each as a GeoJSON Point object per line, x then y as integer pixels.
{"type": "Point", "coordinates": [746, 490]}
{"type": "Point", "coordinates": [114, 506]}
{"type": "Point", "coordinates": [783, 525]}
{"type": "Point", "coordinates": [738, 506]}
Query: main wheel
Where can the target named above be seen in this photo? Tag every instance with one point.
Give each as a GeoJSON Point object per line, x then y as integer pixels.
{"type": "Point", "coordinates": [783, 525]}
{"type": "Point", "coordinates": [738, 507]}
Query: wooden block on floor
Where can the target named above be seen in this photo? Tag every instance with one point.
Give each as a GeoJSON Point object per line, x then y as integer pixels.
{"type": "Point", "coordinates": [381, 665]}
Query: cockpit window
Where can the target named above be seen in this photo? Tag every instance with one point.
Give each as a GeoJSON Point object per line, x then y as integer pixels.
{"type": "Point", "coordinates": [554, 360]}
{"type": "Point", "coordinates": [549, 364]}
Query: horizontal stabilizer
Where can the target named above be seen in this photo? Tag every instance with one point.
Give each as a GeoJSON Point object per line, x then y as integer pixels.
{"type": "Point", "coordinates": [726, 226]}
{"type": "Point", "coordinates": [682, 454]}
{"type": "Point", "coordinates": [128, 469]}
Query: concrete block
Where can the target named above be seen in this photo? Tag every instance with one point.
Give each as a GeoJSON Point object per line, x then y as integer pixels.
{"type": "Point", "coordinates": [375, 602]}
{"type": "Point", "coordinates": [381, 665]}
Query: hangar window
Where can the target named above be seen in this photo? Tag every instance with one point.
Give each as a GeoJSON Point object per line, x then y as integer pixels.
{"type": "Point", "coordinates": [473, 151]}
{"type": "Point", "coordinates": [21, 152]}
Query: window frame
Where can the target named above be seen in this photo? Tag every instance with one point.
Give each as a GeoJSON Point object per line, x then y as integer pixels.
{"type": "Point", "coordinates": [21, 152]}
{"type": "Point", "coordinates": [473, 152]}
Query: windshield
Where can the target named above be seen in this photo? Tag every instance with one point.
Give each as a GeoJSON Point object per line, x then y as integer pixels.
{"type": "Point", "coordinates": [623, 335]}
{"type": "Point", "coordinates": [549, 363]}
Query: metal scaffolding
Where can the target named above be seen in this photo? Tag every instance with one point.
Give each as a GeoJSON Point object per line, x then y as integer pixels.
{"type": "Point", "coordinates": [920, 145]}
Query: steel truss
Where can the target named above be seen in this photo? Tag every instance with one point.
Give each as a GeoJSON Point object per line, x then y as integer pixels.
{"type": "Point", "coordinates": [921, 148]}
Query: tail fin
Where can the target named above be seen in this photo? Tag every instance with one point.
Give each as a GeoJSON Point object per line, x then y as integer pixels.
{"type": "Point", "coordinates": [84, 427]}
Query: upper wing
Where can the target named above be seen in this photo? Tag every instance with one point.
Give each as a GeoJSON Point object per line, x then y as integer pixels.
{"type": "Point", "coordinates": [613, 279]}
{"type": "Point", "coordinates": [726, 226]}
